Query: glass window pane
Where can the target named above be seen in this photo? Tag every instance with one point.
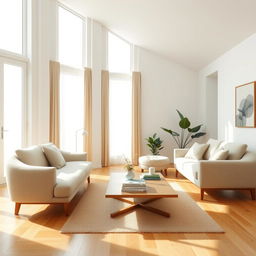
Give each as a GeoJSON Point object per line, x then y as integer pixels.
{"type": "Point", "coordinates": [11, 25]}
{"type": "Point", "coordinates": [71, 112]}
{"type": "Point", "coordinates": [70, 38]}
{"type": "Point", "coordinates": [12, 110]}
{"type": "Point", "coordinates": [119, 55]}
{"type": "Point", "coordinates": [120, 119]}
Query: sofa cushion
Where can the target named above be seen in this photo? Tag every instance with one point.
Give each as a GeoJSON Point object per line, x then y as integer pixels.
{"type": "Point", "coordinates": [220, 154]}
{"type": "Point", "coordinates": [53, 155]}
{"type": "Point", "coordinates": [154, 160]}
{"type": "Point", "coordinates": [70, 177]}
{"type": "Point", "coordinates": [236, 150]}
{"type": "Point", "coordinates": [196, 151]}
{"type": "Point", "coordinates": [32, 156]}
{"type": "Point", "coordinates": [213, 146]}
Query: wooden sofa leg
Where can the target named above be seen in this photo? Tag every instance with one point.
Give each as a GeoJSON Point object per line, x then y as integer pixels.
{"type": "Point", "coordinates": [142, 170]}
{"type": "Point", "coordinates": [202, 194]}
{"type": "Point", "coordinates": [165, 172]}
{"type": "Point", "coordinates": [252, 190]}
{"type": "Point", "coordinates": [17, 208]}
{"type": "Point", "coordinates": [176, 173]}
{"type": "Point", "coordinates": [65, 205]}
{"type": "Point", "coordinates": [89, 179]}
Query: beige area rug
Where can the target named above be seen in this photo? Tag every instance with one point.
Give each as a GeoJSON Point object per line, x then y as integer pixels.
{"type": "Point", "coordinates": [92, 215]}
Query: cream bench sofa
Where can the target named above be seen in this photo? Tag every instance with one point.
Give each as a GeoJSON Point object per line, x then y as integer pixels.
{"type": "Point", "coordinates": [237, 172]}
{"type": "Point", "coordinates": [31, 179]}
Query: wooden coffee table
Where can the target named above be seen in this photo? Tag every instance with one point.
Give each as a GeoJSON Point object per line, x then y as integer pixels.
{"type": "Point", "coordinates": [156, 189]}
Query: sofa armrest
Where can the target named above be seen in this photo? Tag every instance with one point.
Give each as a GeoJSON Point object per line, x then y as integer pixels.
{"type": "Point", "coordinates": [28, 183]}
{"type": "Point", "coordinates": [68, 156]}
{"type": "Point", "coordinates": [227, 174]}
{"type": "Point", "coordinates": [180, 152]}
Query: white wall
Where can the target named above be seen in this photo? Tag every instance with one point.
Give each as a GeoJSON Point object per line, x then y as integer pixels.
{"type": "Point", "coordinates": [166, 86]}
{"type": "Point", "coordinates": [236, 67]}
{"type": "Point", "coordinates": [98, 63]}
{"type": "Point", "coordinates": [41, 49]}
{"type": "Point", "coordinates": [211, 107]}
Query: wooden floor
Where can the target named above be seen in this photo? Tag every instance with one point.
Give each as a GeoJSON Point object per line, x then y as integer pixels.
{"type": "Point", "coordinates": [36, 230]}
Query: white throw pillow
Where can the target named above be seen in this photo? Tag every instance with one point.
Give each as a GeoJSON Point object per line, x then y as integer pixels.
{"type": "Point", "coordinates": [221, 154]}
{"type": "Point", "coordinates": [197, 151]}
{"type": "Point", "coordinates": [54, 156]}
{"type": "Point", "coordinates": [236, 150]}
{"type": "Point", "coordinates": [212, 149]}
{"type": "Point", "coordinates": [32, 156]}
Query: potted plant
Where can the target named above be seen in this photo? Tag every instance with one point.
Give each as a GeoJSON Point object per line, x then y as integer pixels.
{"type": "Point", "coordinates": [186, 134]}
{"type": "Point", "coordinates": [154, 144]}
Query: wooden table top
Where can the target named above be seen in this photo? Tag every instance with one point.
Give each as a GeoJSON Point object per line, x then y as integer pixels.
{"type": "Point", "coordinates": [155, 188]}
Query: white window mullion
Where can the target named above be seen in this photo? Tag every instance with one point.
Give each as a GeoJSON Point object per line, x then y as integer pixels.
{"type": "Point", "coordinates": [24, 27]}
{"type": "Point", "coordinates": [84, 45]}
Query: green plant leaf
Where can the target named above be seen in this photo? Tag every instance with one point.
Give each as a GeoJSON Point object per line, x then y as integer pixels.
{"type": "Point", "coordinates": [184, 123]}
{"type": "Point", "coordinates": [195, 129]}
{"type": "Point", "coordinates": [154, 144]}
{"type": "Point", "coordinates": [197, 135]}
{"type": "Point", "coordinates": [181, 116]}
{"type": "Point", "coordinates": [173, 133]}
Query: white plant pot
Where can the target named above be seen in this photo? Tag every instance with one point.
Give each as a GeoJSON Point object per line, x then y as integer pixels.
{"type": "Point", "coordinates": [130, 175]}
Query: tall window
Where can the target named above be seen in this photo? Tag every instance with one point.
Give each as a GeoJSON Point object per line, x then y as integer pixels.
{"type": "Point", "coordinates": [119, 55]}
{"type": "Point", "coordinates": [71, 56]}
{"type": "Point", "coordinates": [70, 38]}
{"type": "Point", "coordinates": [11, 25]}
{"type": "Point", "coordinates": [13, 77]}
{"type": "Point", "coordinates": [120, 99]}
{"type": "Point", "coordinates": [71, 109]}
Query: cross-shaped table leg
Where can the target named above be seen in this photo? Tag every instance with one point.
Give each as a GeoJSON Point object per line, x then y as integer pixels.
{"type": "Point", "coordinates": [142, 205]}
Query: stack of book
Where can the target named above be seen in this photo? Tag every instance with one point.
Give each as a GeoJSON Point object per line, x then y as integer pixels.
{"type": "Point", "coordinates": [134, 186]}
{"type": "Point", "coordinates": [150, 176]}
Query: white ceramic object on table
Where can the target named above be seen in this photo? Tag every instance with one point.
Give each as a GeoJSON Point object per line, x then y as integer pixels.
{"type": "Point", "coordinates": [130, 175]}
{"type": "Point", "coordinates": [152, 170]}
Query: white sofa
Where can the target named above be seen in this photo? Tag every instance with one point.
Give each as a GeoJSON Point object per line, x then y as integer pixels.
{"type": "Point", "coordinates": [237, 172]}
{"type": "Point", "coordinates": [31, 179]}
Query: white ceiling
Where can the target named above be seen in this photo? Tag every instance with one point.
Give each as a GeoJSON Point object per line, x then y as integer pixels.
{"type": "Point", "coordinates": [189, 32]}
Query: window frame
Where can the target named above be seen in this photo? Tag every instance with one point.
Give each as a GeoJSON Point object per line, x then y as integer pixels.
{"type": "Point", "coordinates": [66, 68]}
{"type": "Point", "coordinates": [21, 60]}
{"type": "Point", "coordinates": [24, 40]}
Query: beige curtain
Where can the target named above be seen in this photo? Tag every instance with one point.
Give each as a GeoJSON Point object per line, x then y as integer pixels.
{"type": "Point", "coordinates": [104, 118]}
{"type": "Point", "coordinates": [54, 103]}
{"type": "Point", "coordinates": [88, 112]}
{"type": "Point", "coordinates": [136, 119]}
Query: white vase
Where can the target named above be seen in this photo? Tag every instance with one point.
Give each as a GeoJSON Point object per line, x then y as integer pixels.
{"type": "Point", "coordinates": [130, 175]}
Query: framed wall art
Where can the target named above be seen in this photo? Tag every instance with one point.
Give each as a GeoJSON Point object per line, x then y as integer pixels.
{"type": "Point", "coordinates": [245, 105]}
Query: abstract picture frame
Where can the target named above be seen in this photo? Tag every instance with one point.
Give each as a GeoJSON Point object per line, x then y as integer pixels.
{"type": "Point", "coordinates": [245, 107]}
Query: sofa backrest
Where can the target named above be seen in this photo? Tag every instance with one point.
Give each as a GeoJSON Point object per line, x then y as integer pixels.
{"type": "Point", "coordinates": [235, 150]}
{"type": "Point", "coordinates": [249, 157]}
{"type": "Point", "coordinates": [32, 156]}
